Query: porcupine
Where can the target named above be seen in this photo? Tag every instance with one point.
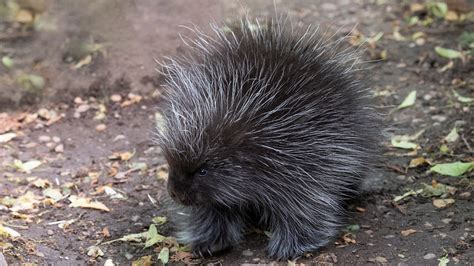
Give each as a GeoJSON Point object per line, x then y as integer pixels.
{"type": "Point", "coordinates": [265, 125]}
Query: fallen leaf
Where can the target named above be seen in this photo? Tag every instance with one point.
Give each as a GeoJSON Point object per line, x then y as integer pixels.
{"type": "Point", "coordinates": [95, 252]}
{"type": "Point", "coordinates": [105, 232]}
{"type": "Point", "coordinates": [7, 62]}
{"type": "Point", "coordinates": [461, 98]}
{"type": "Point", "coordinates": [409, 100]}
{"type": "Point", "coordinates": [417, 162]}
{"type": "Point", "coordinates": [26, 167]}
{"type": "Point", "coordinates": [348, 238]}
{"type": "Point", "coordinates": [28, 201]}
{"type": "Point", "coordinates": [143, 261]}
{"type": "Point", "coordinates": [443, 261]}
{"type": "Point", "coordinates": [109, 262]}
{"type": "Point", "coordinates": [86, 203]}
{"type": "Point", "coordinates": [403, 144]}
{"type": "Point", "coordinates": [406, 194]}
{"type": "Point", "coordinates": [452, 169]}
{"type": "Point", "coordinates": [4, 138]}
{"type": "Point", "coordinates": [164, 255]}
{"type": "Point", "coordinates": [453, 136]}
{"type": "Point", "coordinates": [153, 237]}
{"type": "Point", "coordinates": [8, 232]}
{"type": "Point", "coordinates": [408, 232]}
{"type": "Point", "coordinates": [159, 220]}
{"type": "Point", "coordinates": [448, 53]}
{"type": "Point", "coordinates": [122, 156]}
{"type": "Point", "coordinates": [442, 203]}
{"type": "Point", "coordinates": [39, 182]}
{"type": "Point", "coordinates": [53, 193]}
{"type": "Point", "coordinates": [436, 190]}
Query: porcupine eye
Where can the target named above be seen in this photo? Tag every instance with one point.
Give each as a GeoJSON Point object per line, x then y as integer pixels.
{"type": "Point", "coordinates": [202, 171]}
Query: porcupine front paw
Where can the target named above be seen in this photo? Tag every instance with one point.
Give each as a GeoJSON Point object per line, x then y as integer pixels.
{"type": "Point", "coordinates": [209, 231]}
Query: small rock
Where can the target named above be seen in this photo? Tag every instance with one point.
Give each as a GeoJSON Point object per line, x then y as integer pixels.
{"type": "Point", "coordinates": [50, 232]}
{"type": "Point", "coordinates": [446, 220]}
{"type": "Point", "coordinates": [389, 236]}
{"type": "Point", "coordinates": [256, 259]}
{"type": "Point", "coordinates": [247, 253]}
{"type": "Point", "coordinates": [439, 118]}
{"type": "Point", "coordinates": [380, 259]}
{"type": "Point", "coordinates": [78, 100]}
{"type": "Point", "coordinates": [135, 218]}
{"type": "Point", "coordinates": [427, 97]}
{"type": "Point", "coordinates": [428, 225]}
{"type": "Point", "coordinates": [56, 139]}
{"type": "Point", "coordinates": [465, 195]}
{"type": "Point", "coordinates": [59, 148]}
{"type": "Point", "coordinates": [116, 98]}
{"type": "Point", "coordinates": [429, 256]}
{"type": "Point", "coordinates": [83, 108]}
{"type": "Point", "coordinates": [100, 127]}
{"type": "Point", "coordinates": [50, 145]}
{"type": "Point", "coordinates": [44, 138]}
{"type": "Point", "coordinates": [442, 203]}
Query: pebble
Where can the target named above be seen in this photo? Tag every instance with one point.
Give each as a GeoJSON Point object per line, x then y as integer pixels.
{"type": "Point", "coordinates": [116, 98]}
{"type": "Point", "coordinates": [50, 232]}
{"type": "Point", "coordinates": [247, 253]}
{"type": "Point", "coordinates": [465, 195]}
{"type": "Point", "coordinates": [439, 118]}
{"type": "Point", "coordinates": [427, 97]}
{"type": "Point", "coordinates": [56, 139]}
{"type": "Point", "coordinates": [44, 138]}
{"type": "Point", "coordinates": [100, 127]}
{"type": "Point", "coordinates": [82, 108]}
{"type": "Point", "coordinates": [446, 220]}
{"type": "Point", "coordinates": [429, 256]}
{"type": "Point", "coordinates": [59, 148]}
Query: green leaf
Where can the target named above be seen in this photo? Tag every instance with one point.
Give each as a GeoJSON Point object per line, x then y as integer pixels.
{"type": "Point", "coordinates": [159, 220]}
{"type": "Point", "coordinates": [407, 194]}
{"type": "Point", "coordinates": [152, 237]}
{"type": "Point", "coordinates": [443, 261]}
{"type": "Point", "coordinates": [403, 144]}
{"type": "Point", "coordinates": [452, 169]}
{"type": "Point", "coordinates": [438, 9]}
{"type": "Point", "coordinates": [353, 228]}
{"type": "Point", "coordinates": [436, 190]}
{"type": "Point", "coordinates": [409, 100]}
{"type": "Point", "coordinates": [26, 167]}
{"type": "Point", "coordinates": [164, 255]}
{"type": "Point", "coordinates": [52, 193]}
{"type": "Point", "coordinates": [7, 62]}
{"type": "Point", "coordinates": [444, 148]}
{"type": "Point", "coordinates": [452, 136]}
{"type": "Point", "coordinates": [447, 53]}
{"type": "Point", "coordinates": [461, 98]}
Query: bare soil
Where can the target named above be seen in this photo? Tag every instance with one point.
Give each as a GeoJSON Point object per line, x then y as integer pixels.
{"type": "Point", "coordinates": [127, 36]}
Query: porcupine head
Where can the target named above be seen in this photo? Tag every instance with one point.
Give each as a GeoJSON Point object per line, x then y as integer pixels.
{"type": "Point", "coordinates": [264, 125]}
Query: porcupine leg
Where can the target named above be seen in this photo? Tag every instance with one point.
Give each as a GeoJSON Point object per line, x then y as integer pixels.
{"type": "Point", "coordinates": [209, 230]}
{"type": "Point", "coordinates": [294, 236]}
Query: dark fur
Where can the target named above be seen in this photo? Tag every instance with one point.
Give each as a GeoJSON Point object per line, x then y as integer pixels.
{"type": "Point", "coordinates": [284, 131]}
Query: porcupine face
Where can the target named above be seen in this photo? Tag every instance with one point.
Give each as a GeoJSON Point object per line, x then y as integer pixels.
{"type": "Point", "coordinates": [210, 177]}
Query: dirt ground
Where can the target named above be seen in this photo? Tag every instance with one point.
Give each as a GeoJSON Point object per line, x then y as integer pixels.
{"type": "Point", "coordinates": [78, 102]}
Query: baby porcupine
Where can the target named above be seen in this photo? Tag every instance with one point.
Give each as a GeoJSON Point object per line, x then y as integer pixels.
{"type": "Point", "coordinates": [265, 126]}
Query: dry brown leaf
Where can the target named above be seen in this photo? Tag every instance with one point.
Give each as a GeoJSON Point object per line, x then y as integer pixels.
{"type": "Point", "coordinates": [79, 202]}
{"type": "Point", "coordinates": [442, 203]}
{"type": "Point", "coordinates": [408, 232]}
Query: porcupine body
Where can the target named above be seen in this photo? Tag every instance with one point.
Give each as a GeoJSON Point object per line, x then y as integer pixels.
{"type": "Point", "coordinates": [267, 126]}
